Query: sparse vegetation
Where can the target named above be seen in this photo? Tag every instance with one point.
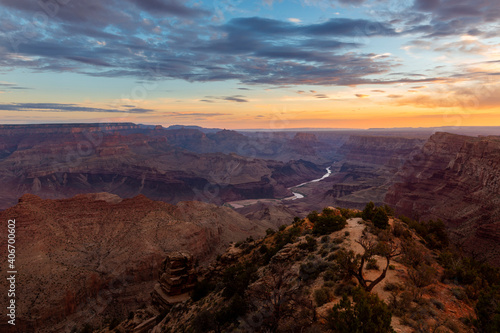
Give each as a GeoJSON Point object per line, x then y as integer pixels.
{"type": "Point", "coordinates": [378, 215]}
{"type": "Point", "coordinates": [368, 314]}
{"type": "Point", "coordinates": [328, 222]}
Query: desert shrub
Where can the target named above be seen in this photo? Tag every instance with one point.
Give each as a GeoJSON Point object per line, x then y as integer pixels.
{"type": "Point", "coordinates": [270, 232]}
{"type": "Point", "coordinates": [201, 289]}
{"type": "Point", "coordinates": [325, 239]}
{"type": "Point", "coordinates": [345, 288]}
{"type": "Point", "coordinates": [313, 216]}
{"type": "Point", "coordinates": [338, 240]}
{"type": "Point", "coordinates": [282, 227]}
{"type": "Point", "coordinates": [413, 253]}
{"type": "Point", "coordinates": [372, 264]}
{"type": "Point", "coordinates": [391, 286]}
{"type": "Point", "coordinates": [378, 215]}
{"type": "Point", "coordinates": [347, 213]}
{"type": "Point", "coordinates": [488, 310]}
{"type": "Point", "coordinates": [322, 296]}
{"type": "Point", "coordinates": [401, 304]}
{"type": "Point", "coordinates": [330, 275]}
{"type": "Point", "coordinates": [369, 211]}
{"type": "Point", "coordinates": [466, 270]}
{"type": "Point", "coordinates": [368, 314]}
{"type": "Point", "coordinates": [400, 231]}
{"type": "Point", "coordinates": [380, 219]}
{"type": "Point", "coordinates": [310, 244]}
{"type": "Point", "coordinates": [311, 269]}
{"type": "Point", "coordinates": [459, 294]}
{"type": "Point", "coordinates": [237, 278]}
{"type": "Point", "coordinates": [421, 276]}
{"type": "Point", "coordinates": [326, 224]}
{"type": "Point", "coordinates": [433, 232]}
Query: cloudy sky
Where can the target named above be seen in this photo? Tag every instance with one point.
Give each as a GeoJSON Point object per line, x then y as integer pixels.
{"type": "Point", "coordinates": [251, 64]}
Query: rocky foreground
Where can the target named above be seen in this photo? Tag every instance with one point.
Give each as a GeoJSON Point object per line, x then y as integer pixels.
{"type": "Point", "coordinates": [354, 277]}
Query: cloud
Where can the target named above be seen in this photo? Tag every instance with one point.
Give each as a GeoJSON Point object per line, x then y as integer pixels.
{"type": "Point", "coordinates": [237, 99]}
{"type": "Point", "coordinates": [362, 96]}
{"type": "Point", "coordinates": [294, 20]}
{"type": "Point", "coordinates": [194, 114]}
{"type": "Point", "coordinates": [58, 107]}
{"type": "Point", "coordinates": [11, 86]}
{"type": "Point", "coordinates": [321, 96]}
{"type": "Point", "coordinates": [394, 96]}
{"type": "Point", "coordinates": [172, 7]}
{"type": "Point", "coordinates": [93, 38]}
{"type": "Point", "coordinates": [234, 98]}
{"type": "Point", "coordinates": [457, 17]}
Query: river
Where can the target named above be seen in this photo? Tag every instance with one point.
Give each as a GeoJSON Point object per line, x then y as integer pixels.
{"type": "Point", "coordinates": [298, 195]}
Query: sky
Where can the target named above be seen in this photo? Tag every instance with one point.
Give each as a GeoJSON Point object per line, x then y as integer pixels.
{"type": "Point", "coordinates": [251, 64]}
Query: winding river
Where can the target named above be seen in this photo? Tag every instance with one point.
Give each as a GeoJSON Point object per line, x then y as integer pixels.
{"type": "Point", "coordinates": [298, 195]}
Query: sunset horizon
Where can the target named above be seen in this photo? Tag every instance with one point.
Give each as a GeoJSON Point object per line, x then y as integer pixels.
{"type": "Point", "coordinates": [314, 64]}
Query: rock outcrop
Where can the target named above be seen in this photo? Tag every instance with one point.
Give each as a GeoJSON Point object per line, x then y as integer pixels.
{"type": "Point", "coordinates": [456, 179]}
{"type": "Point", "coordinates": [177, 279]}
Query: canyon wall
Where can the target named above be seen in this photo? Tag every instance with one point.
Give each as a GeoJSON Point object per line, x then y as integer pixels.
{"type": "Point", "coordinates": [60, 161]}
{"type": "Point", "coordinates": [456, 179]}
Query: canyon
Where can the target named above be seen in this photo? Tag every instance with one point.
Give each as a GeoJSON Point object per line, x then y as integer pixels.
{"type": "Point", "coordinates": [62, 161]}
{"type": "Point", "coordinates": [97, 256]}
{"type": "Point", "coordinates": [100, 206]}
{"type": "Point", "coordinates": [456, 179]}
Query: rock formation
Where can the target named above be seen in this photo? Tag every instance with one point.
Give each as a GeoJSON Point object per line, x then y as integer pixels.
{"type": "Point", "coordinates": [456, 179]}
{"type": "Point", "coordinates": [177, 279]}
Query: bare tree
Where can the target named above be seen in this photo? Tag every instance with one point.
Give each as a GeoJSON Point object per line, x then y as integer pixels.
{"type": "Point", "coordinates": [354, 265]}
{"type": "Point", "coordinates": [278, 297]}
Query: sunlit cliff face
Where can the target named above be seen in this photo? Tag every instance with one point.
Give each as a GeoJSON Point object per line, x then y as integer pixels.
{"type": "Point", "coordinates": [274, 65]}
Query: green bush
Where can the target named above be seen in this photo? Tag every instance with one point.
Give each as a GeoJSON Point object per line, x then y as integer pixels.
{"type": "Point", "coordinates": [378, 215]}
{"type": "Point", "coordinates": [368, 314]}
{"type": "Point", "coordinates": [237, 278]}
{"type": "Point", "coordinates": [310, 244]}
{"type": "Point", "coordinates": [311, 269]}
{"type": "Point", "coordinates": [488, 310]}
{"type": "Point", "coordinates": [322, 296]}
{"type": "Point", "coordinates": [270, 232]}
{"type": "Point", "coordinates": [380, 219]}
{"type": "Point", "coordinates": [372, 264]}
{"type": "Point", "coordinates": [313, 216]}
{"type": "Point", "coordinates": [326, 224]}
{"type": "Point", "coordinates": [369, 211]}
